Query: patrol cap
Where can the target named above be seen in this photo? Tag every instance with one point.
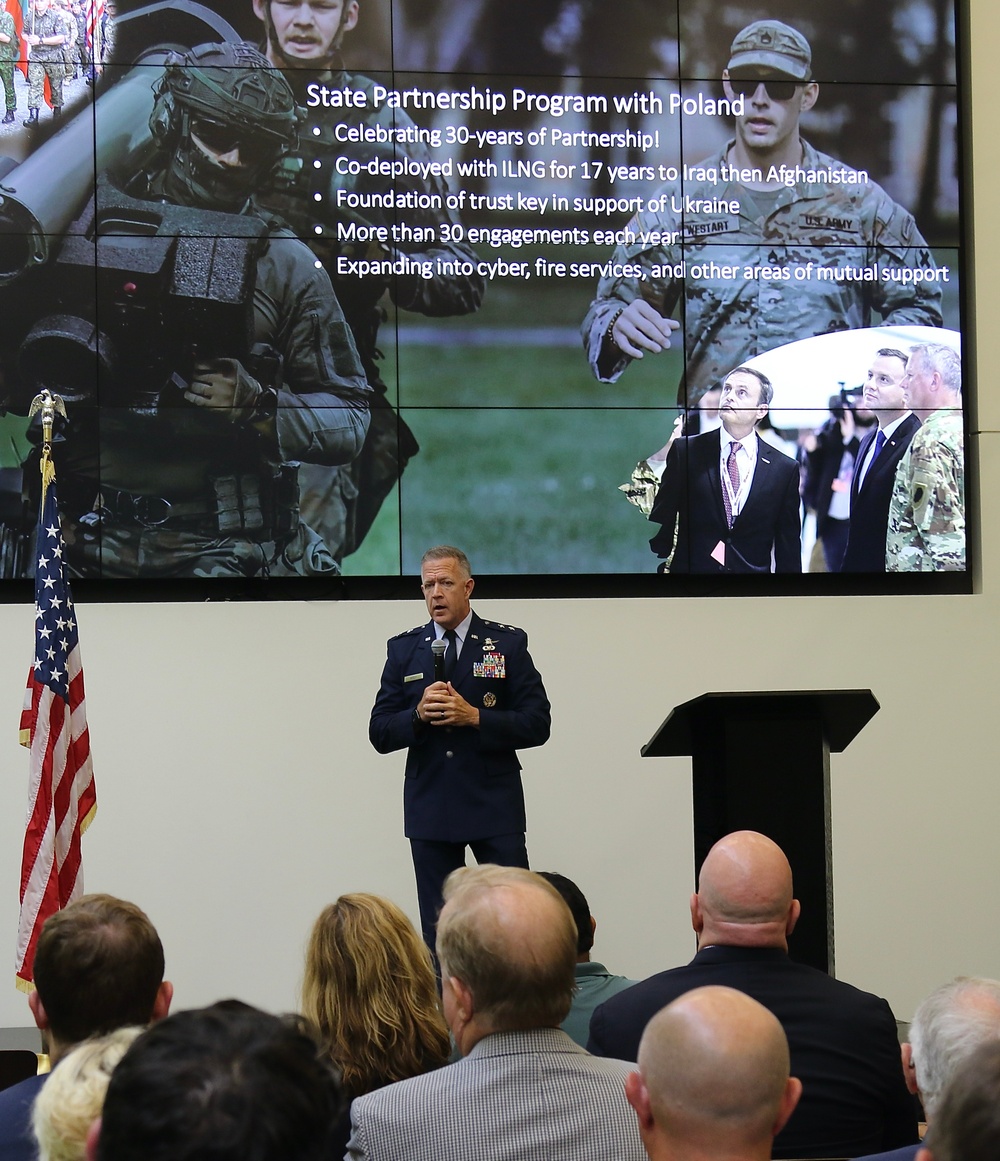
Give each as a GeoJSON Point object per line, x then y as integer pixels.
{"type": "Point", "coordinates": [772, 45]}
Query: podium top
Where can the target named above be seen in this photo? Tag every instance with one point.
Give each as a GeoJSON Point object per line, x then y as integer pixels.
{"type": "Point", "coordinates": [843, 713]}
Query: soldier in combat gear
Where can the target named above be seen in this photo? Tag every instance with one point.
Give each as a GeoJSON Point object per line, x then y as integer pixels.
{"type": "Point", "coordinates": [199, 479]}
{"type": "Point", "coordinates": [46, 37]}
{"type": "Point", "coordinates": [769, 200]}
{"type": "Point", "coordinates": [927, 511]}
{"type": "Point", "coordinates": [9, 51]}
{"type": "Point", "coordinates": [303, 38]}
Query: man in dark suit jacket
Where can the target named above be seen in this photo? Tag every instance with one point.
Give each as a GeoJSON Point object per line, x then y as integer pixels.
{"type": "Point", "coordinates": [463, 776]}
{"type": "Point", "coordinates": [843, 1041]}
{"type": "Point", "coordinates": [875, 469]}
{"type": "Point", "coordinates": [733, 499]}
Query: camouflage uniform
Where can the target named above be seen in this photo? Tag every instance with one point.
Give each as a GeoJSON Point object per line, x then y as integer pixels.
{"type": "Point", "coordinates": [727, 320]}
{"type": "Point", "coordinates": [46, 60]}
{"type": "Point", "coordinates": [927, 510]}
{"type": "Point", "coordinates": [159, 506]}
{"type": "Point", "coordinates": [71, 50]}
{"type": "Point", "coordinates": [343, 504]}
{"type": "Point", "coordinates": [82, 49]}
{"type": "Point", "coordinates": [8, 54]}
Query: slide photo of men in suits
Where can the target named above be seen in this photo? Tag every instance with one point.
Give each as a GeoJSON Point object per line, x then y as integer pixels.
{"type": "Point", "coordinates": [866, 372]}
{"type": "Point", "coordinates": [728, 502]}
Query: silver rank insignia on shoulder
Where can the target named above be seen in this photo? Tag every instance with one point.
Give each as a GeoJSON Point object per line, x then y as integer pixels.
{"type": "Point", "coordinates": [489, 700]}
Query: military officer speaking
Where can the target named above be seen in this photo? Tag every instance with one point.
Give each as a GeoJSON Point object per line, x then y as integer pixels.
{"type": "Point", "coordinates": [461, 717]}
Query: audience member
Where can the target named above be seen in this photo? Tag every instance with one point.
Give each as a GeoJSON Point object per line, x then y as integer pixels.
{"type": "Point", "coordinates": [967, 1123]}
{"type": "Point", "coordinates": [713, 1080]}
{"type": "Point", "coordinates": [842, 1040]}
{"type": "Point", "coordinates": [951, 1022]}
{"type": "Point", "coordinates": [71, 1100]}
{"type": "Point", "coordinates": [370, 990]}
{"type": "Point", "coordinates": [229, 1082]}
{"type": "Point", "coordinates": [98, 967]}
{"type": "Point", "coordinates": [506, 942]}
{"type": "Point", "coordinates": [594, 983]}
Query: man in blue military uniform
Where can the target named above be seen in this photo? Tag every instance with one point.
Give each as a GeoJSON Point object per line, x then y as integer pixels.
{"type": "Point", "coordinates": [463, 776]}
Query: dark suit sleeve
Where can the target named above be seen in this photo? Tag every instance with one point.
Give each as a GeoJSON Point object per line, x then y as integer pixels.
{"type": "Point", "coordinates": [900, 1124]}
{"type": "Point", "coordinates": [524, 719]}
{"type": "Point", "coordinates": [391, 724]}
{"type": "Point", "coordinates": [596, 1039]}
{"type": "Point", "coordinates": [614, 1029]}
{"type": "Point", "coordinates": [788, 533]}
{"type": "Point", "coordinates": [668, 498]}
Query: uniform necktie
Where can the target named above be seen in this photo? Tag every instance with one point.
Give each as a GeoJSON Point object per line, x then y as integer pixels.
{"type": "Point", "coordinates": [451, 656]}
{"type": "Point", "coordinates": [734, 478]}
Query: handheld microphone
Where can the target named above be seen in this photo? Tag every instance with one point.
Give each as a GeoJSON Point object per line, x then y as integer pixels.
{"type": "Point", "coordinates": [438, 648]}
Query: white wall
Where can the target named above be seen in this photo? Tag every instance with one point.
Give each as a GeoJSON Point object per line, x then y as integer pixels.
{"type": "Point", "coordinates": [238, 793]}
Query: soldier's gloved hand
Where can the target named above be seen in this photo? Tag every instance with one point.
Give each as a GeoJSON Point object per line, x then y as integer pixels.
{"type": "Point", "coordinates": [226, 385]}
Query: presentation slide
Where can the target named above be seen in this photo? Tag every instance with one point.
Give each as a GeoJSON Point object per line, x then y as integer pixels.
{"type": "Point", "coordinates": [667, 291]}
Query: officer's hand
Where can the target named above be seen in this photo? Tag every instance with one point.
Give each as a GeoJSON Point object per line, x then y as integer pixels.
{"type": "Point", "coordinates": [431, 703]}
{"type": "Point", "coordinates": [441, 705]}
{"type": "Point", "coordinates": [226, 385]}
{"type": "Point", "coordinates": [456, 711]}
{"type": "Point", "coordinates": [640, 327]}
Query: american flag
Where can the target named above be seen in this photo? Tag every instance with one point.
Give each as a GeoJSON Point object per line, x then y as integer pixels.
{"type": "Point", "coordinates": [95, 10]}
{"type": "Point", "coordinates": [61, 795]}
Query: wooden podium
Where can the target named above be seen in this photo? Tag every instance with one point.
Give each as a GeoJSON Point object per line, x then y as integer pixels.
{"type": "Point", "coordinates": [761, 761]}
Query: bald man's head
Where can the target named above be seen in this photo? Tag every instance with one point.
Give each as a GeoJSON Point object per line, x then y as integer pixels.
{"type": "Point", "coordinates": [509, 937]}
{"type": "Point", "coordinates": [714, 1074]}
{"type": "Point", "coordinates": [744, 893]}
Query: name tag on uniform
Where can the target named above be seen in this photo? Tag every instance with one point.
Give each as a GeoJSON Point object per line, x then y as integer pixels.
{"type": "Point", "coordinates": [412, 677]}
{"type": "Point", "coordinates": [492, 665]}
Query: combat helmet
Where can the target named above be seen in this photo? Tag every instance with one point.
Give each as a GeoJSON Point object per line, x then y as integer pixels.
{"type": "Point", "coordinates": [228, 97]}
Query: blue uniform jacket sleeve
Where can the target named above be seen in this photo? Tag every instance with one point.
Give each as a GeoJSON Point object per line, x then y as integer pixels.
{"type": "Point", "coordinates": [391, 724]}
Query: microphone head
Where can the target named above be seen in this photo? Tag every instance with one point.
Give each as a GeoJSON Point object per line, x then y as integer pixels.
{"type": "Point", "coordinates": [439, 646]}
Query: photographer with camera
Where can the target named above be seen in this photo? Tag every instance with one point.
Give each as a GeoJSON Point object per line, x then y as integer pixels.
{"type": "Point", "coordinates": [831, 457]}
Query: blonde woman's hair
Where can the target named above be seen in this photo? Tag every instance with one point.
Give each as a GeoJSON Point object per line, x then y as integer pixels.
{"type": "Point", "coordinates": [73, 1096]}
{"type": "Point", "coordinates": [370, 990]}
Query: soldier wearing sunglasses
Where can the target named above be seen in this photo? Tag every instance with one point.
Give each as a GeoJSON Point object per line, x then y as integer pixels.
{"type": "Point", "coordinates": [768, 201]}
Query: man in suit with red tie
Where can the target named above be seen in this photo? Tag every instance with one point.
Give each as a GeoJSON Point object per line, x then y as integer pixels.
{"type": "Point", "coordinates": [728, 502]}
{"type": "Point", "coordinates": [879, 453]}
{"type": "Point", "coordinates": [461, 730]}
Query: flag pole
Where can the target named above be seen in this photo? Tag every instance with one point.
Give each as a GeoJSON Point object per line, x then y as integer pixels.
{"type": "Point", "coordinates": [61, 796]}
{"type": "Point", "coordinates": [48, 404]}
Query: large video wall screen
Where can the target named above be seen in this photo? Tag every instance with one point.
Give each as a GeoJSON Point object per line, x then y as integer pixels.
{"type": "Point", "coordinates": [356, 279]}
